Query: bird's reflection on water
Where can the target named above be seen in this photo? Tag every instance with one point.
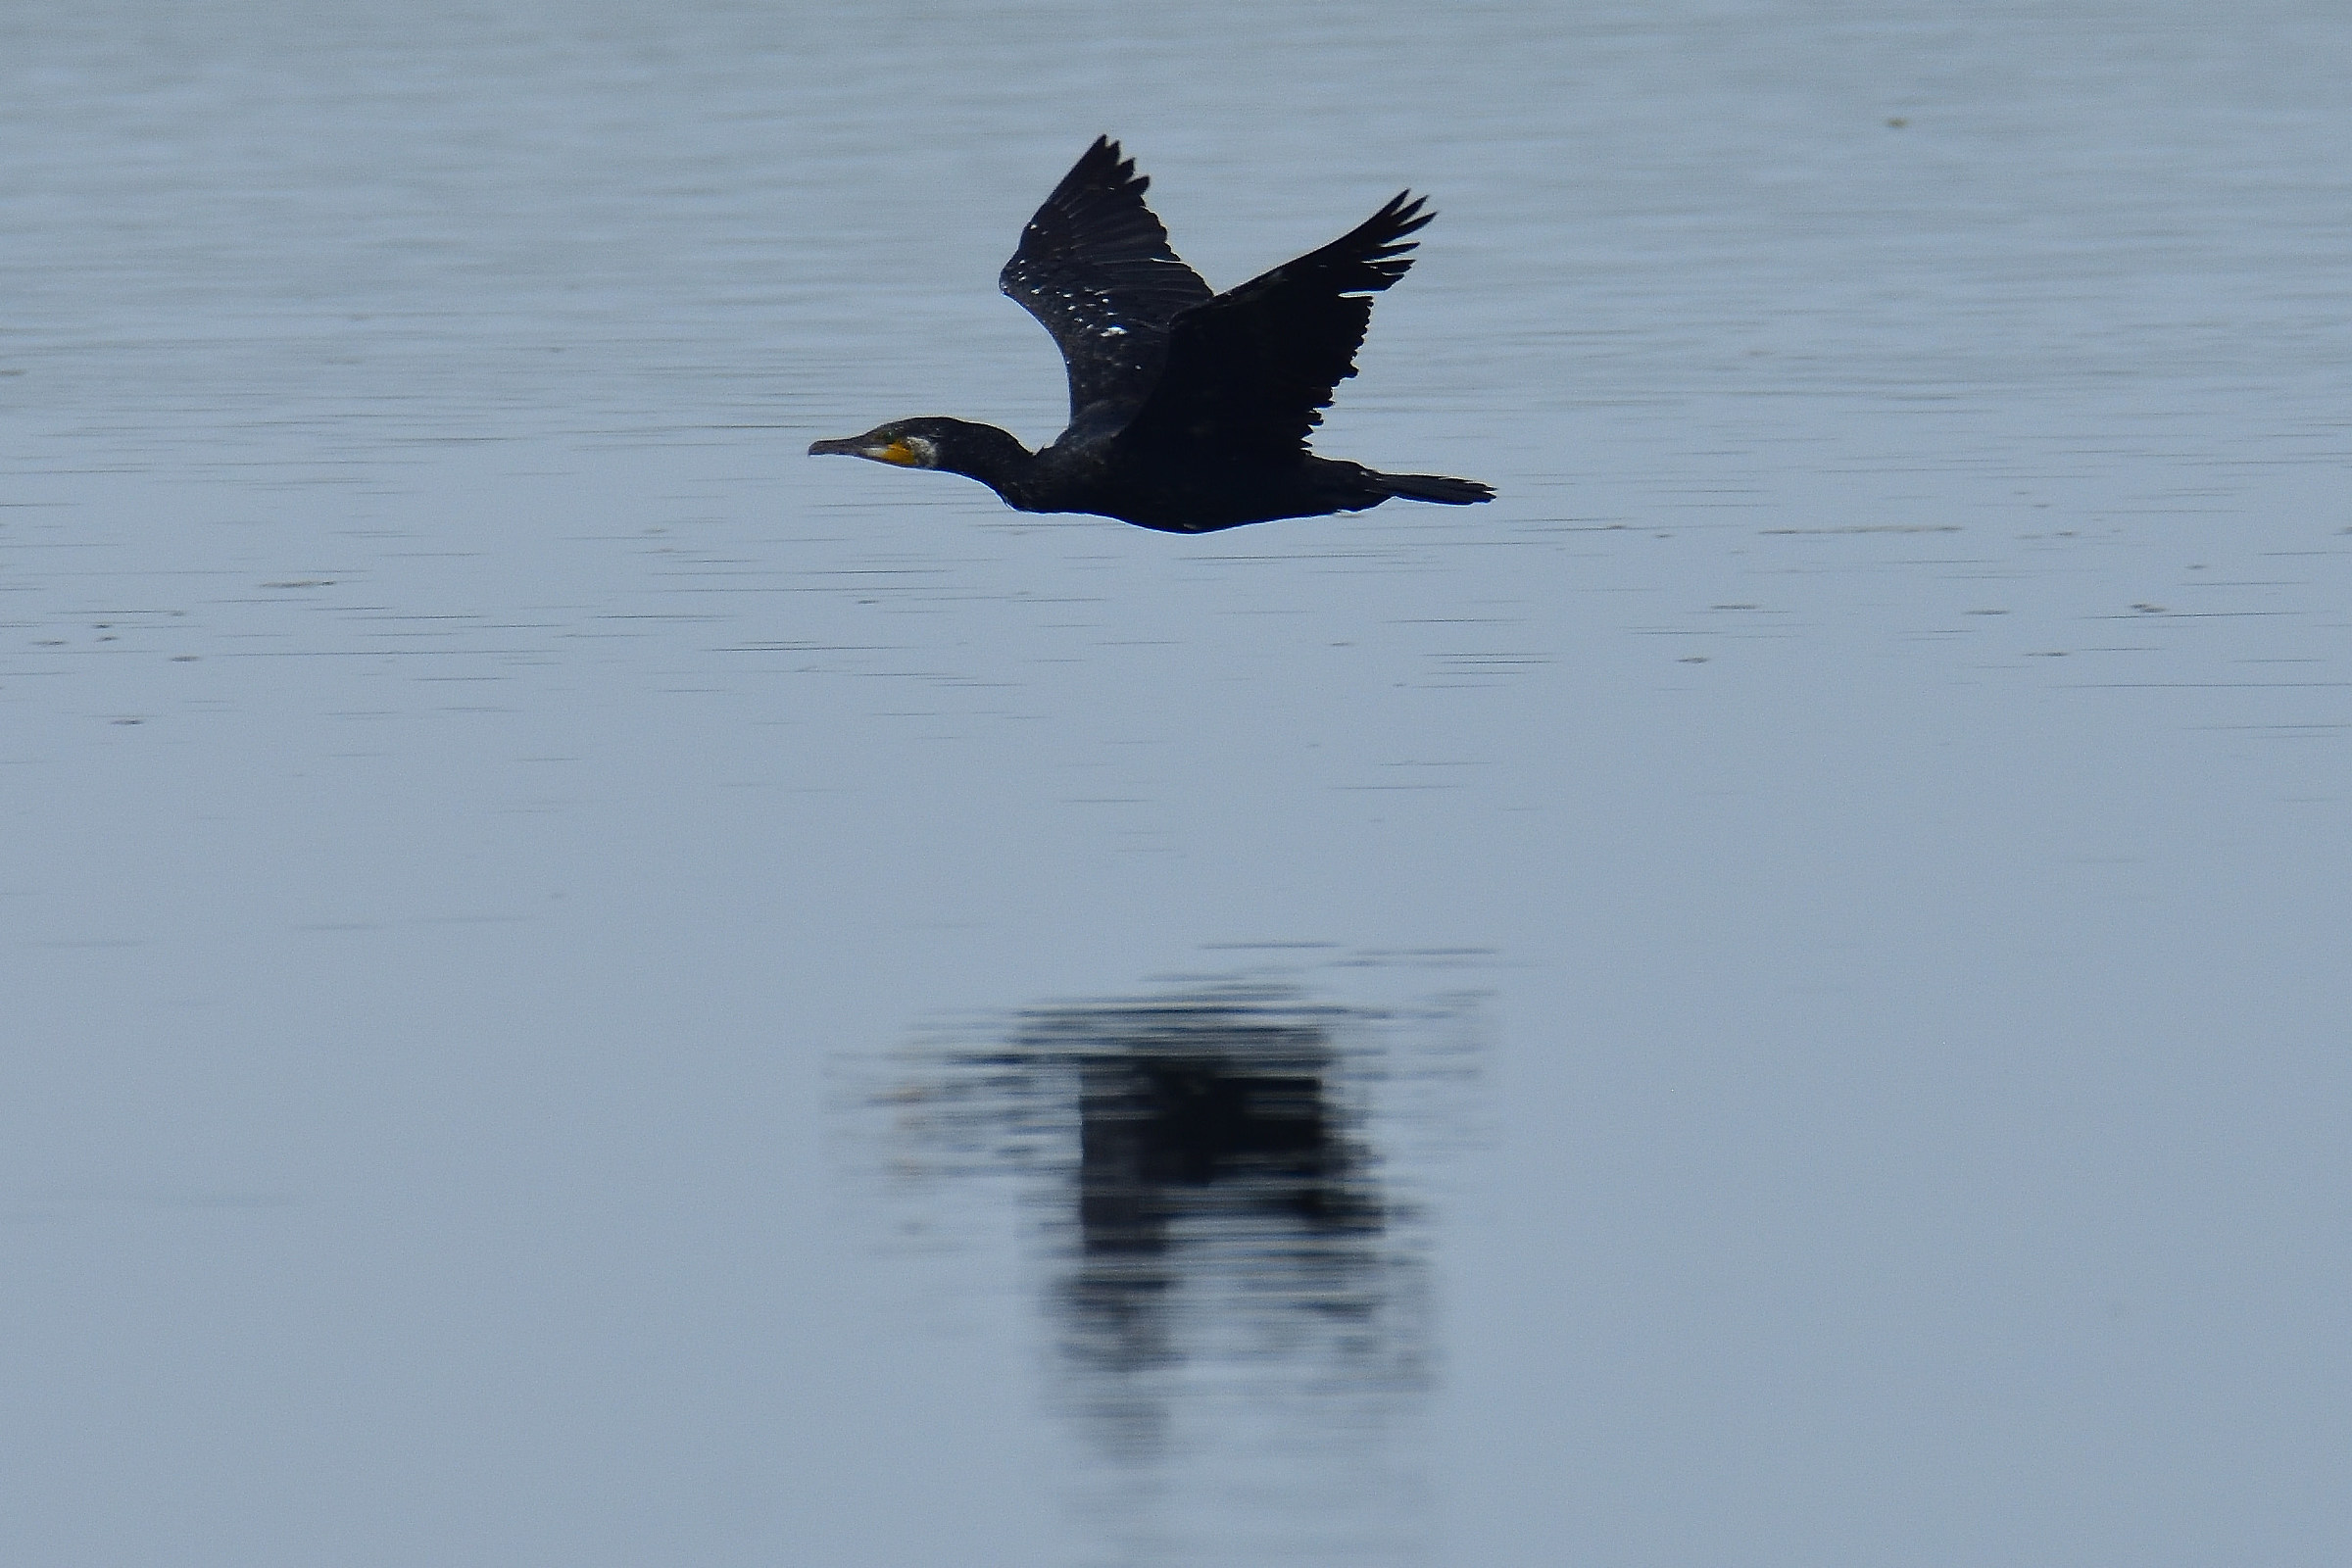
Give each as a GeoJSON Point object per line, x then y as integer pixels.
{"type": "Point", "coordinates": [1237, 1285]}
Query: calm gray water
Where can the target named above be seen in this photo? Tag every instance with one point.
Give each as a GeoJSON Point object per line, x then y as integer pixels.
{"type": "Point", "coordinates": [584, 989]}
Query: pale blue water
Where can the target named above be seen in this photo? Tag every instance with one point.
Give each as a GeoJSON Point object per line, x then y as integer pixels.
{"type": "Point", "coordinates": [1827, 900]}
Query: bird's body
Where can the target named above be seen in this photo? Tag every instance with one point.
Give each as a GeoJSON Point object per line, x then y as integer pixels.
{"type": "Point", "coordinates": [1189, 411]}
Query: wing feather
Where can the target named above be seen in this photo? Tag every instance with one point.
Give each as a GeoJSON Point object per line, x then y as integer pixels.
{"type": "Point", "coordinates": [1248, 372]}
{"type": "Point", "coordinates": [1094, 268]}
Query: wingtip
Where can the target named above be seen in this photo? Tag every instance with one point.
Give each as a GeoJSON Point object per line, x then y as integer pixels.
{"type": "Point", "coordinates": [1408, 213]}
{"type": "Point", "coordinates": [1386, 251]}
{"type": "Point", "coordinates": [1105, 164]}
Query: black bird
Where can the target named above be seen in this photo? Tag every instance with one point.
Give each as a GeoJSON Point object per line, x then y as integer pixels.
{"type": "Point", "coordinates": [1189, 411]}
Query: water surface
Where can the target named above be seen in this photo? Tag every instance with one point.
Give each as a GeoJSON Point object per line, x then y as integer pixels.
{"type": "Point", "coordinates": [488, 816]}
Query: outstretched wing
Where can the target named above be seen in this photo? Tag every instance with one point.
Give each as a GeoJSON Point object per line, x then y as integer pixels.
{"type": "Point", "coordinates": [1249, 372]}
{"type": "Point", "coordinates": [1096, 269]}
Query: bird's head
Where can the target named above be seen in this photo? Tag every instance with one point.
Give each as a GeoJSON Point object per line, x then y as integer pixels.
{"type": "Point", "coordinates": [909, 443]}
{"type": "Point", "coordinates": [957, 445]}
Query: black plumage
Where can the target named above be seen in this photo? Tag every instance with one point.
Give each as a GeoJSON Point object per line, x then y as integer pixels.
{"type": "Point", "coordinates": [1189, 411]}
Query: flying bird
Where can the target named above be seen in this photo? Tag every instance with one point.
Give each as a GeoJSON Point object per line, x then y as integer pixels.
{"type": "Point", "coordinates": [1189, 410]}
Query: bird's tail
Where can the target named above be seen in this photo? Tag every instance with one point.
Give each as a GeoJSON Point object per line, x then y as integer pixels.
{"type": "Point", "coordinates": [1434, 487]}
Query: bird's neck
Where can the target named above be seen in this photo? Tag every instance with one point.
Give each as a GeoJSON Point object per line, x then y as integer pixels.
{"type": "Point", "coordinates": [989, 455]}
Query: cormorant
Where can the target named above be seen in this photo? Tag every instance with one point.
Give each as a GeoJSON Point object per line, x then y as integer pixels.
{"type": "Point", "coordinates": [1189, 411]}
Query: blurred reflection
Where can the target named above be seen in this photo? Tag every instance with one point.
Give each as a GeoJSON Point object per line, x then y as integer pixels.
{"type": "Point", "coordinates": [1235, 1287]}
{"type": "Point", "coordinates": [1215, 1149]}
